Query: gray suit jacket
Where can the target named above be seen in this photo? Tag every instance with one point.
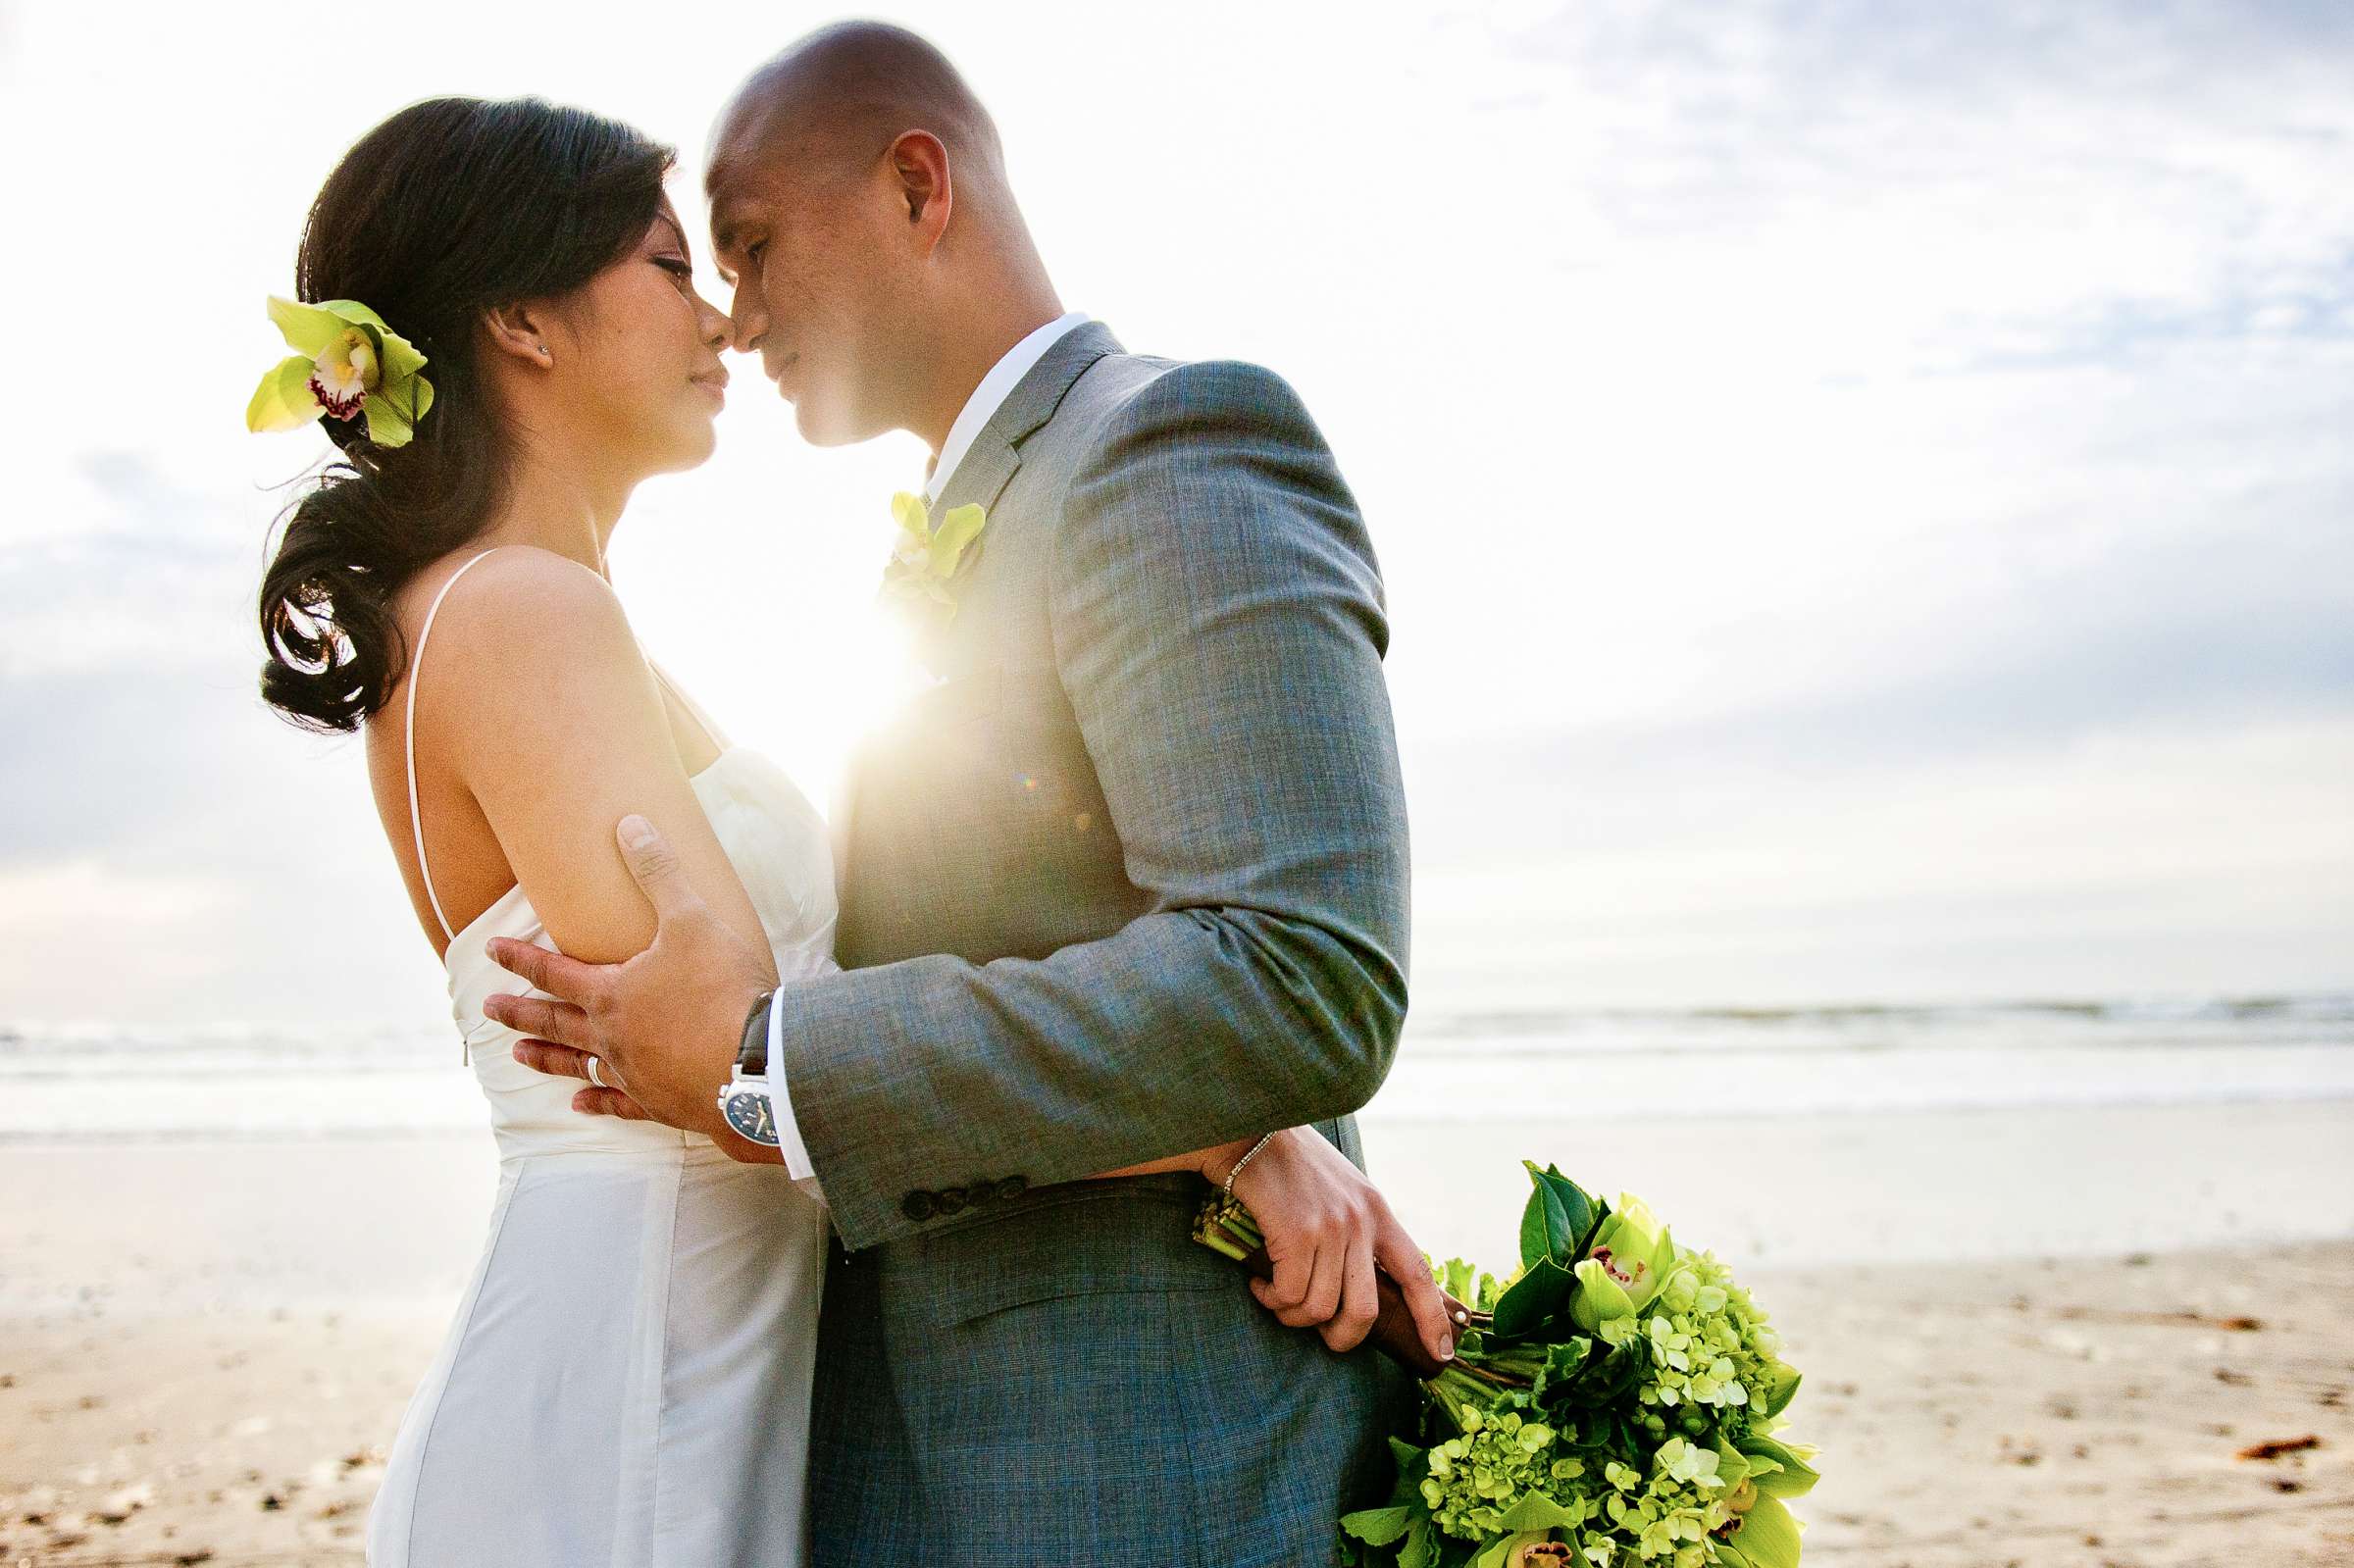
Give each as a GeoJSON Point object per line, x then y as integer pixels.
{"type": "Point", "coordinates": [1131, 880]}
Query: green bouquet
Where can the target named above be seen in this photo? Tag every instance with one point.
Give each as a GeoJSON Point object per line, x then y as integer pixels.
{"type": "Point", "coordinates": [1612, 1403]}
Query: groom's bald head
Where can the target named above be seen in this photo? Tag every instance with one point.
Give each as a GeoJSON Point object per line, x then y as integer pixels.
{"type": "Point", "coordinates": [839, 98]}
{"type": "Point", "coordinates": [861, 208]}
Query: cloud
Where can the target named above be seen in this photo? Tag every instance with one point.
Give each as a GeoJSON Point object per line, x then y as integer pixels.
{"type": "Point", "coordinates": [1885, 186]}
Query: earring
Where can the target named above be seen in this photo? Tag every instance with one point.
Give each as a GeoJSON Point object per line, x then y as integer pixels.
{"type": "Point", "coordinates": [543, 351]}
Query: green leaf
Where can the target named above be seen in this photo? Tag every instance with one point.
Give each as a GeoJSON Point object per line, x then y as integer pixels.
{"type": "Point", "coordinates": [1544, 1223]}
{"type": "Point", "coordinates": [1452, 1552]}
{"type": "Point", "coordinates": [1535, 1512]}
{"type": "Point", "coordinates": [1534, 1297]}
{"type": "Point", "coordinates": [1565, 1358]}
{"type": "Point", "coordinates": [1419, 1551]}
{"type": "Point", "coordinates": [1768, 1534]}
{"type": "Point", "coordinates": [1609, 1377]}
{"type": "Point", "coordinates": [1578, 1210]}
{"type": "Point", "coordinates": [1377, 1527]}
{"type": "Point", "coordinates": [283, 401]}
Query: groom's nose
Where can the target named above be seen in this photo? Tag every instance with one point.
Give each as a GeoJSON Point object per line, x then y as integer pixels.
{"type": "Point", "coordinates": [748, 320]}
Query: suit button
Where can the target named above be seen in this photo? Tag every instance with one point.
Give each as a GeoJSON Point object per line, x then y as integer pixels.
{"type": "Point", "coordinates": [919, 1206]}
{"type": "Point", "coordinates": [952, 1201]}
{"type": "Point", "coordinates": [981, 1193]}
{"type": "Point", "coordinates": [1011, 1188]}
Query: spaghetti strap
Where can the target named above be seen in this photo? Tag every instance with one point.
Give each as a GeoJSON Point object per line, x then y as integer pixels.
{"type": "Point", "coordinates": [408, 738]}
{"type": "Point", "coordinates": [695, 709]}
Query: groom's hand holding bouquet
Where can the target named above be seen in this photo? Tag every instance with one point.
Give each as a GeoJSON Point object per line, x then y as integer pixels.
{"type": "Point", "coordinates": [1335, 1257]}
{"type": "Point", "coordinates": [1614, 1403]}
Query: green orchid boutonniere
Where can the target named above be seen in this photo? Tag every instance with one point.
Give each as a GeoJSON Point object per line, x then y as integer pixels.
{"type": "Point", "coordinates": [347, 364]}
{"type": "Point", "coordinates": [924, 560]}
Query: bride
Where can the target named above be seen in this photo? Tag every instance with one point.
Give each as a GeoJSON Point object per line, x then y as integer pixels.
{"type": "Point", "coordinates": [626, 1377]}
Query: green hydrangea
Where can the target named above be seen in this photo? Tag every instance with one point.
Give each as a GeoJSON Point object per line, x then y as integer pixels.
{"type": "Point", "coordinates": [1500, 1457]}
{"type": "Point", "coordinates": [1667, 1515]}
{"type": "Point", "coordinates": [1710, 1344]}
{"type": "Point", "coordinates": [1614, 1398]}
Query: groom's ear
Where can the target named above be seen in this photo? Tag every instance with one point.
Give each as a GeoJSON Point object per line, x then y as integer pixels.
{"type": "Point", "coordinates": [919, 166]}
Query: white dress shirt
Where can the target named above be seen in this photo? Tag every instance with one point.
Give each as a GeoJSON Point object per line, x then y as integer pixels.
{"type": "Point", "coordinates": [998, 385]}
{"type": "Point", "coordinates": [979, 409]}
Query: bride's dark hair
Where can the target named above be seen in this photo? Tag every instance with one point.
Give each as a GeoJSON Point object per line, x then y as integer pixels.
{"type": "Point", "coordinates": [450, 208]}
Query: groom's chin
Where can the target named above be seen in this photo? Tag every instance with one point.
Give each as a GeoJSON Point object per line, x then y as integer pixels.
{"type": "Point", "coordinates": [824, 425]}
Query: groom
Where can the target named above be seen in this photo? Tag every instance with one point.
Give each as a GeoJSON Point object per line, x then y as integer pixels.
{"type": "Point", "coordinates": [1129, 880]}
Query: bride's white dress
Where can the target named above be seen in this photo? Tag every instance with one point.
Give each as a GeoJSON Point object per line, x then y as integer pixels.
{"type": "Point", "coordinates": [626, 1382]}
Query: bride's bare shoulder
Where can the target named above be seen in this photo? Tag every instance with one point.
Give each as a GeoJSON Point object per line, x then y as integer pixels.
{"type": "Point", "coordinates": [519, 584]}
{"type": "Point", "coordinates": [516, 608]}
{"type": "Point", "coordinates": [525, 644]}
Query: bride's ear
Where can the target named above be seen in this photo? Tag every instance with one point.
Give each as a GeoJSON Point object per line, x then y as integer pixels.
{"type": "Point", "coordinates": [521, 331]}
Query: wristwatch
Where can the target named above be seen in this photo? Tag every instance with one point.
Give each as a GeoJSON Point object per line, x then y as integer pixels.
{"type": "Point", "coordinates": [744, 1102]}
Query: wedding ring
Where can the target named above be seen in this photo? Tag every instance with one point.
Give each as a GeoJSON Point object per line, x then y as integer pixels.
{"type": "Point", "coordinates": [593, 1074]}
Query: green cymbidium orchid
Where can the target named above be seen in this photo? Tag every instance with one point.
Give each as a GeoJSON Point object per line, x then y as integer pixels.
{"type": "Point", "coordinates": [1534, 1548]}
{"type": "Point", "coordinates": [347, 364]}
{"type": "Point", "coordinates": [1631, 1257]}
{"type": "Point", "coordinates": [1636, 1249]}
{"type": "Point", "coordinates": [1766, 1537]}
{"type": "Point", "coordinates": [1780, 1469]}
{"type": "Point", "coordinates": [922, 559]}
{"type": "Point", "coordinates": [1599, 1299]}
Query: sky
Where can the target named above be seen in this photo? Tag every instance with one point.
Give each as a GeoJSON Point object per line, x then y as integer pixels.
{"type": "Point", "coordinates": [1863, 489]}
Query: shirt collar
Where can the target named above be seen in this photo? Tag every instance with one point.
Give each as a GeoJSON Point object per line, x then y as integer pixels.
{"type": "Point", "coordinates": [1005, 375]}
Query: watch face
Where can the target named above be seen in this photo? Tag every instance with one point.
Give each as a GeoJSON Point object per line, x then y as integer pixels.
{"type": "Point", "coordinates": [747, 1111]}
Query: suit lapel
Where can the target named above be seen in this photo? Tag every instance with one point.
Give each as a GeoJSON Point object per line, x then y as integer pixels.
{"type": "Point", "coordinates": [981, 477]}
{"type": "Point", "coordinates": [989, 464]}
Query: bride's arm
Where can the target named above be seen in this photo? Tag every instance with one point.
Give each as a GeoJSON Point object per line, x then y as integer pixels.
{"type": "Point", "coordinates": [538, 692]}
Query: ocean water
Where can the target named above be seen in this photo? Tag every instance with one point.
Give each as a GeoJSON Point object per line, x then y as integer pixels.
{"type": "Point", "coordinates": [73, 1083]}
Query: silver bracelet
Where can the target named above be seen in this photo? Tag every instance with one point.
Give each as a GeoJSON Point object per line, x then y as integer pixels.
{"type": "Point", "coordinates": [1244, 1161]}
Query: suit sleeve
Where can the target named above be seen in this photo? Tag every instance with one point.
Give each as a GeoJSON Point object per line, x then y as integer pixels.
{"type": "Point", "coordinates": [1219, 627]}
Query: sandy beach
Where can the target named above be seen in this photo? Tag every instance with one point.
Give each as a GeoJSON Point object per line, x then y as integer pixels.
{"type": "Point", "coordinates": [204, 1348]}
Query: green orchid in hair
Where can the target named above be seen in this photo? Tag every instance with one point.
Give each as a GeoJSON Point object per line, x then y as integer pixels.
{"type": "Point", "coordinates": [348, 365]}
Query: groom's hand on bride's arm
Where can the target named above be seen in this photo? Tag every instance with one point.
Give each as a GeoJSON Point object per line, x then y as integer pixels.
{"type": "Point", "coordinates": [664, 1024]}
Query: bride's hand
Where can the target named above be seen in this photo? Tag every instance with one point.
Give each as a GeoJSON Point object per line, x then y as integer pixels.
{"type": "Point", "coordinates": [1328, 1229]}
